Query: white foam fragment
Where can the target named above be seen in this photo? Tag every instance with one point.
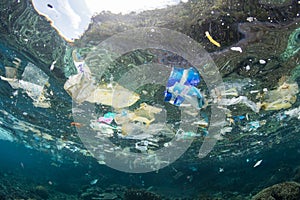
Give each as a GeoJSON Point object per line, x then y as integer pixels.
{"type": "Point", "coordinates": [247, 67]}
{"type": "Point", "coordinates": [254, 91]}
{"type": "Point", "coordinates": [239, 49]}
{"type": "Point", "coordinates": [257, 163]}
{"type": "Point", "coordinates": [251, 19]}
{"type": "Point", "coordinates": [262, 62]}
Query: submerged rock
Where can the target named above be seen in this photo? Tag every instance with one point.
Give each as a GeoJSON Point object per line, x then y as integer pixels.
{"type": "Point", "coordinates": [41, 191]}
{"type": "Point", "coordinates": [282, 191]}
{"type": "Point", "coordinates": [134, 194]}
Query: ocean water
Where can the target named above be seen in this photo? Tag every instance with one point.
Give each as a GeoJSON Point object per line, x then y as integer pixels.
{"type": "Point", "coordinates": [128, 112]}
{"type": "Point", "coordinates": [22, 170]}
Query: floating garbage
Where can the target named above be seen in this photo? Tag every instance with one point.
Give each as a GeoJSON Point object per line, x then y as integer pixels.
{"type": "Point", "coordinates": [33, 82]}
{"type": "Point", "coordinates": [211, 39]}
{"type": "Point", "coordinates": [253, 125]}
{"type": "Point", "coordinates": [142, 146]}
{"type": "Point", "coordinates": [181, 86]}
{"type": "Point", "coordinates": [237, 100]}
{"type": "Point", "coordinates": [103, 128]}
{"type": "Point", "coordinates": [107, 118]}
{"type": "Point", "coordinates": [239, 49]}
{"type": "Point", "coordinates": [281, 98]}
{"type": "Point", "coordinates": [257, 163]}
{"type": "Point", "coordinates": [239, 118]}
{"type": "Point", "coordinates": [83, 88]}
{"type": "Point", "coordinates": [186, 135]}
{"type": "Point", "coordinates": [225, 130]}
{"type": "Point", "coordinates": [93, 182]}
{"type": "Point", "coordinates": [144, 114]}
{"type": "Point", "coordinates": [295, 112]}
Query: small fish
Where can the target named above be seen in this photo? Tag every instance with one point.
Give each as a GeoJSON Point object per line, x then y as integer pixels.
{"type": "Point", "coordinates": [76, 124]}
{"type": "Point", "coordinates": [257, 163]}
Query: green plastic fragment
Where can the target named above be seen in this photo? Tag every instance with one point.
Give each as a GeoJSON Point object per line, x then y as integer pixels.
{"type": "Point", "coordinates": [109, 115]}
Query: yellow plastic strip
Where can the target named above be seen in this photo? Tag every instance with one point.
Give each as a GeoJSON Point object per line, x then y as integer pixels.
{"type": "Point", "coordinates": [211, 39]}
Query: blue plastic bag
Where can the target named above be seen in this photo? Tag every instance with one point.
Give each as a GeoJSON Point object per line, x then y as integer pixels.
{"type": "Point", "coordinates": [181, 86]}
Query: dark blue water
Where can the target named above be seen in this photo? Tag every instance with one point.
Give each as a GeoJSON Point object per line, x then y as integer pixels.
{"type": "Point", "coordinates": [204, 177]}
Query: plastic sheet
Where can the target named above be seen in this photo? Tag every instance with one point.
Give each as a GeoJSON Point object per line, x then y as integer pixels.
{"type": "Point", "coordinates": [33, 82]}
{"type": "Point", "coordinates": [240, 99]}
{"type": "Point", "coordinates": [82, 87]}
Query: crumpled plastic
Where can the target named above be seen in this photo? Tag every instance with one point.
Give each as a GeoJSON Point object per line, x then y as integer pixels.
{"type": "Point", "coordinates": [33, 82]}
{"type": "Point", "coordinates": [82, 87]}
{"type": "Point", "coordinates": [281, 98]}
{"type": "Point", "coordinates": [237, 100]}
{"type": "Point", "coordinates": [137, 131]}
{"type": "Point", "coordinates": [295, 112]}
{"type": "Point", "coordinates": [144, 114]}
{"type": "Point", "coordinates": [181, 86]}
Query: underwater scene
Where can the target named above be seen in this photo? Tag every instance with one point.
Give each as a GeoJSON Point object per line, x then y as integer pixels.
{"type": "Point", "coordinates": [150, 100]}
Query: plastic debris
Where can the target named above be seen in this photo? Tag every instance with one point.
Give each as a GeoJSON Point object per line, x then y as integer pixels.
{"type": "Point", "coordinates": [107, 118]}
{"type": "Point", "coordinates": [201, 123]}
{"type": "Point", "coordinates": [186, 135]}
{"type": "Point", "coordinates": [76, 124]}
{"type": "Point", "coordinates": [257, 163]}
{"type": "Point", "coordinates": [93, 182]}
{"type": "Point", "coordinates": [261, 61]}
{"type": "Point", "coordinates": [247, 67]}
{"type": "Point", "coordinates": [256, 143]}
{"type": "Point", "coordinates": [281, 98]}
{"type": "Point", "coordinates": [142, 146]}
{"type": "Point", "coordinates": [33, 83]}
{"type": "Point", "coordinates": [225, 130]}
{"type": "Point", "coordinates": [254, 91]}
{"type": "Point", "coordinates": [144, 114]}
{"type": "Point", "coordinates": [251, 19]}
{"type": "Point", "coordinates": [181, 86]}
{"type": "Point", "coordinates": [47, 136]}
{"type": "Point", "coordinates": [239, 49]}
{"type": "Point", "coordinates": [211, 39]}
{"type": "Point", "coordinates": [82, 87]}
{"type": "Point", "coordinates": [253, 125]}
{"type": "Point", "coordinates": [78, 61]}
{"type": "Point", "coordinates": [141, 132]}
{"type": "Point", "coordinates": [237, 100]}
{"type": "Point", "coordinates": [293, 112]}
{"type": "Point", "coordinates": [239, 118]}
{"type": "Point", "coordinates": [104, 129]}
{"type": "Point", "coordinates": [52, 65]}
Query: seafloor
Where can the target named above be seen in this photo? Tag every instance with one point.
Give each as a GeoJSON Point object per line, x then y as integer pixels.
{"type": "Point", "coordinates": [41, 151]}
